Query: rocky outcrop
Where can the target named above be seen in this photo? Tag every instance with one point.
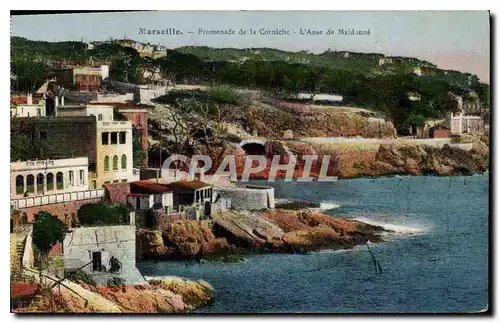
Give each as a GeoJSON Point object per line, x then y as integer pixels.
{"type": "Point", "coordinates": [273, 119]}
{"type": "Point", "coordinates": [172, 295]}
{"type": "Point", "coordinates": [181, 240]}
{"type": "Point", "coordinates": [267, 231]}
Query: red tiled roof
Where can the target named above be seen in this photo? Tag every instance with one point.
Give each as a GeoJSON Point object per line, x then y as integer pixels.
{"type": "Point", "coordinates": [149, 187]}
{"type": "Point", "coordinates": [187, 185]}
{"type": "Point", "coordinates": [138, 195]}
{"type": "Point", "coordinates": [21, 99]}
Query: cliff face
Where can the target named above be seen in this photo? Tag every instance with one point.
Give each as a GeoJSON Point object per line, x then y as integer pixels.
{"type": "Point", "coordinates": [272, 120]}
{"type": "Point", "coordinates": [268, 231]}
{"type": "Point", "coordinates": [181, 240]}
{"type": "Point", "coordinates": [173, 295]}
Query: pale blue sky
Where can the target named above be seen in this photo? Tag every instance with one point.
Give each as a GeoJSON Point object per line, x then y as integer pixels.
{"type": "Point", "coordinates": [451, 39]}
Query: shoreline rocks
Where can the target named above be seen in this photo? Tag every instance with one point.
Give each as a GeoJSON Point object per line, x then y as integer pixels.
{"type": "Point", "coordinates": [233, 233]}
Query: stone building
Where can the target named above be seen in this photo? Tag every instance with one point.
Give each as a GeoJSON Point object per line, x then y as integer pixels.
{"type": "Point", "coordinates": [104, 252]}
{"type": "Point", "coordinates": [79, 78]}
{"type": "Point", "coordinates": [107, 144]}
{"type": "Point", "coordinates": [42, 177]}
{"type": "Point", "coordinates": [247, 197]}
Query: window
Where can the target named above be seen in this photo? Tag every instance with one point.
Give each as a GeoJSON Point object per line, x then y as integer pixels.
{"type": "Point", "coordinates": [105, 138]}
{"type": "Point", "coordinates": [71, 178]}
{"type": "Point", "coordinates": [123, 136]}
{"type": "Point", "coordinates": [39, 112]}
{"type": "Point", "coordinates": [139, 119]}
{"type": "Point", "coordinates": [43, 135]}
{"type": "Point", "coordinates": [114, 138]}
{"type": "Point", "coordinates": [30, 183]}
{"type": "Point", "coordinates": [59, 181]}
{"type": "Point", "coordinates": [99, 117]}
{"type": "Point", "coordinates": [94, 184]}
{"type": "Point", "coordinates": [124, 161]}
{"type": "Point", "coordinates": [19, 185]}
{"type": "Point", "coordinates": [106, 163]}
{"type": "Point", "coordinates": [124, 180]}
{"type": "Point", "coordinates": [116, 181]}
{"type": "Point", "coordinates": [115, 162]}
{"type": "Point", "coordinates": [107, 182]}
{"type": "Point", "coordinates": [39, 183]}
{"type": "Point", "coordinates": [50, 182]}
{"type": "Point", "coordinates": [81, 176]}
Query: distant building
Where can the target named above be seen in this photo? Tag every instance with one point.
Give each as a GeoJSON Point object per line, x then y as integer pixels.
{"type": "Point", "coordinates": [320, 97]}
{"type": "Point", "coordinates": [79, 78]}
{"type": "Point", "coordinates": [25, 106]}
{"type": "Point", "coordinates": [459, 119]}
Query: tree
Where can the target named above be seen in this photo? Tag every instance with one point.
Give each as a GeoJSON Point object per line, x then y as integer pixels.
{"type": "Point", "coordinates": [47, 231]}
{"type": "Point", "coordinates": [20, 148]}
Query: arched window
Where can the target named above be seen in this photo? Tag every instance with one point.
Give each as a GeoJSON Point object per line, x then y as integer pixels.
{"type": "Point", "coordinates": [30, 183]}
{"type": "Point", "coordinates": [124, 161]}
{"type": "Point", "coordinates": [19, 184]}
{"type": "Point", "coordinates": [106, 163]}
{"type": "Point", "coordinates": [39, 183]}
{"type": "Point", "coordinates": [99, 117]}
{"type": "Point", "coordinates": [50, 182]}
{"type": "Point", "coordinates": [115, 162]}
{"type": "Point", "coordinates": [59, 181]}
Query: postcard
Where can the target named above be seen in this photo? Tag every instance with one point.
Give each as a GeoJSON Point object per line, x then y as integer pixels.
{"type": "Point", "coordinates": [228, 162]}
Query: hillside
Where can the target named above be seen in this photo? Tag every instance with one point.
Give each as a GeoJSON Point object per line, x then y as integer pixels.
{"type": "Point", "coordinates": [366, 80]}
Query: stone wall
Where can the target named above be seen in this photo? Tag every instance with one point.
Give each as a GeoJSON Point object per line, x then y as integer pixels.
{"type": "Point", "coordinates": [249, 197]}
{"type": "Point", "coordinates": [59, 209]}
{"type": "Point", "coordinates": [111, 241]}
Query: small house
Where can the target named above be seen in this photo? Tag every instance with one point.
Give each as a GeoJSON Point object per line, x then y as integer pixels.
{"type": "Point", "coordinates": [191, 192]}
{"type": "Point", "coordinates": [145, 195]}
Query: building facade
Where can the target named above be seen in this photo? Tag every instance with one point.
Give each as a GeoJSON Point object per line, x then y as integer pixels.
{"type": "Point", "coordinates": [114, 163]}
{"type": "Point", "coordinates": [42, 177]}
{"type": "Point", "coordinates": [79, 78]}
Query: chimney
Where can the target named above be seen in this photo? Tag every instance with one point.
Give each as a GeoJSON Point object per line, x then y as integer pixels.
{"type": "Point", "coordinates": [29, 99]}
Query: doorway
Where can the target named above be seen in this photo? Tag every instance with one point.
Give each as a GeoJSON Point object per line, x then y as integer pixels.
{"type": "Point", "coordinates": [96, 261]}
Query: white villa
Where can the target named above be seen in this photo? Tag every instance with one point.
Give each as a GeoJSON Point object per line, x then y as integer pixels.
{"type": "Point", "coordinates": [43, 177]}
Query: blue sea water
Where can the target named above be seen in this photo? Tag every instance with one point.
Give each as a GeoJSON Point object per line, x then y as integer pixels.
{"type": "Point", "coordinates": [436, 262]}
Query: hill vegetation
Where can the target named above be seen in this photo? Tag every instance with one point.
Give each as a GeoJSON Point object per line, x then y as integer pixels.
{"type": "Point", "coordinates": [361, 78]}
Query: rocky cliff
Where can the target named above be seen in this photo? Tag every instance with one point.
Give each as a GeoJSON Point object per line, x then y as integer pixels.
{"type": "Point", "coordinates": [160, 295]}
{"type": "Point", "coordinates": [267, 231]}
{"type": "Point", "coordinates": [349, 160]}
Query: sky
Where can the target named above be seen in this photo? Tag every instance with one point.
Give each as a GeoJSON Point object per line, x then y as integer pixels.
{"type": "Point", "coordinates": [458, 40]}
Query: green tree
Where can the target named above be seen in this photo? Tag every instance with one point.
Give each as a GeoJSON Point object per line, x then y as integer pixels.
{"type": "Point", "coordinates": [47, 231]}
{"type": "Point", "coordinates": [20, 148]}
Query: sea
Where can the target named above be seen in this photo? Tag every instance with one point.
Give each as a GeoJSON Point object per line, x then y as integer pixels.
{"type": "Point", "coordinates": [434, 260]}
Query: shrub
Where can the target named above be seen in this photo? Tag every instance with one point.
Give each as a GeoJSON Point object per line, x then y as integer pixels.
{"type": "Point", "coordinates": [297, 205]}
{"type": "Point", "coordinates": [116, 282]}
{"type": "Point", "coordinates": [81, 276]}
{"type": "Point", "coordinates": [47, 230]}
{"type": "Point", "coordinates": [103, 214]}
